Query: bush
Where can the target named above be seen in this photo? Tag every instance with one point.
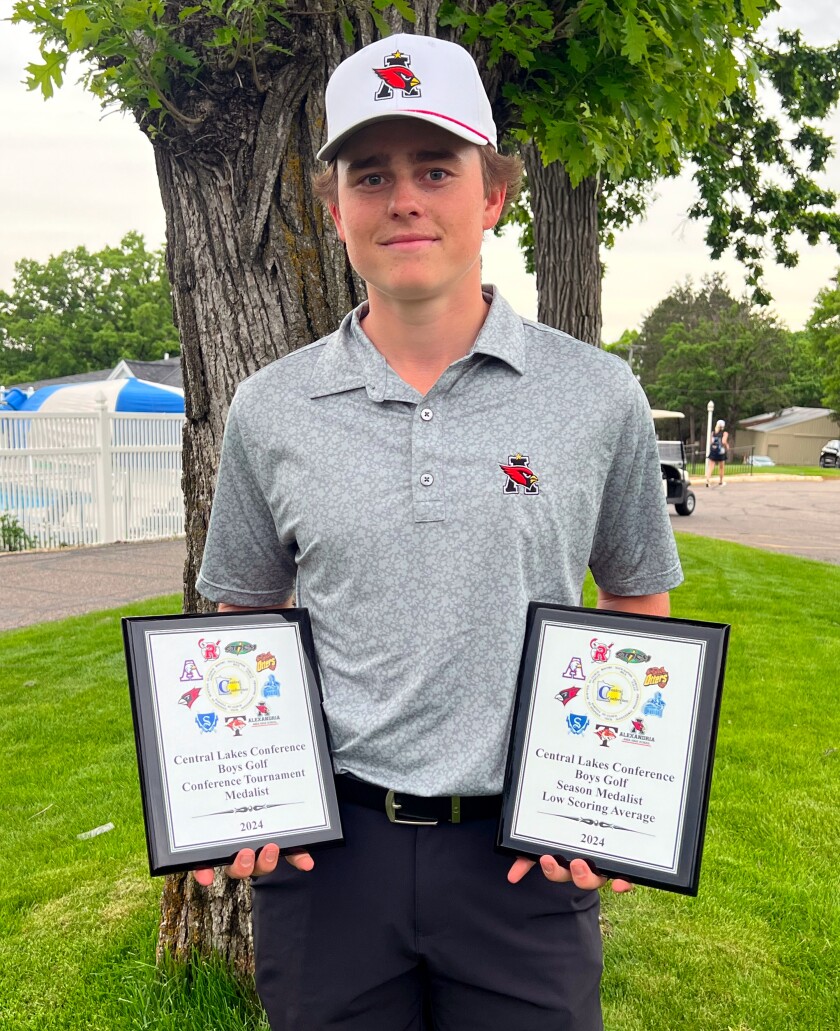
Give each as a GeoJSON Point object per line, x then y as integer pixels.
{"type": "Point", "coordinates": [13, 537]}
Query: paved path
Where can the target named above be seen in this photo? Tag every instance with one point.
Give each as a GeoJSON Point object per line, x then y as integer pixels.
{"type": "Point", "coordinates": [37, 586]}
{"type": "Point", "coordinates": [800, 517]}
{"type": "Point", "coordinates": [797, 518]}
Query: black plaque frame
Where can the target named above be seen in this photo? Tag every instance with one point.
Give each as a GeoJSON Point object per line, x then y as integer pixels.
{"type": "Point", "coordinates": [683, 873]}
{"type": "Point", "coordinates": [163, 857]}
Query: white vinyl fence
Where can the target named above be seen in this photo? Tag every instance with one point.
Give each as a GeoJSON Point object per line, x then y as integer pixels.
{"type": "Point", "coordinates": [92, 478]}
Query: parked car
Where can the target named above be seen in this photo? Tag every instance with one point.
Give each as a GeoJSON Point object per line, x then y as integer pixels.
{"type": "Point", "coordinates": [758, 460]}
{"type": "Point", "coordinates": [830, 455]}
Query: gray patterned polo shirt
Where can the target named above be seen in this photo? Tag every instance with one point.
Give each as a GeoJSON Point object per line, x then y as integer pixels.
{"type": "Point", "coordinates": [417, 529]}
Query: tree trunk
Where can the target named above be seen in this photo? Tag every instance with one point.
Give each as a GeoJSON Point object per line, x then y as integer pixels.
{"type": "Point", "coordinates": [257, 271]}
{"type": "Point", "coordinates": [566, 250]}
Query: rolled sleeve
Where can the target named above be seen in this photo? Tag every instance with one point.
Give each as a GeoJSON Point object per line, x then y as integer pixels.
{"type": "Point", "coordinates": [244, 561]}
{"type": "Point", "coordinates": [634, 551]}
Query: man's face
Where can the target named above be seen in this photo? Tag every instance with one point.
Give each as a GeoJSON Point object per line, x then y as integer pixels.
{"type": "Point", "coordinates": [412, 210]}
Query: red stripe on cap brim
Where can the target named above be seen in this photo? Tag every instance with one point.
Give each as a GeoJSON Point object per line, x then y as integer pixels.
{"type": "Point", "coordinates": [332, 146]}
{"type": "Point", "coordinates": [437, 114]}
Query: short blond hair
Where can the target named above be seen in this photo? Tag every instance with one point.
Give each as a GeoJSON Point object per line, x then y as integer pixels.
{"type": "Point", "coordinates": [496, 170]}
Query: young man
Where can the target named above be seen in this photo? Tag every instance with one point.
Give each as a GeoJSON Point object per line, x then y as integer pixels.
{"type": "Point", "coordinates": [364, 477]}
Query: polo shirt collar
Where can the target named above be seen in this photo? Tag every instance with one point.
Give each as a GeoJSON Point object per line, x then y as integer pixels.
{"type": "Point", "coordinates": [502, 336]}
{"type": "Point", "coordinates": [349, 361]}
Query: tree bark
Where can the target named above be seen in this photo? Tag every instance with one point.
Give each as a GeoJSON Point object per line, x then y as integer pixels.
{"type": "Point", "coordinates": [566, 248]}
{"type": "Point", "coordinates": [256, 271]}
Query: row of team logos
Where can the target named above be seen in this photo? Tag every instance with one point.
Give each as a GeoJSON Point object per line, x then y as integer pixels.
{"type": "Point", "coordinates": [270, 689]}
{"type": "Point", "coordinates": [579, 723]}
{"type": "Point", "coordinates": [614, 692]}
{"type": "Point", "coordinates": [210, 652]}
{"type": "Point", "coordinates": [601, 652]}
{"type": "Point", "coordinates": [210, 649]}
{"type": "Point", "coordinates": [209, 721]}
{"type": "Point", "coordinates": [606, 695]}
{"type": "Point", "coordinates": [655, 676]}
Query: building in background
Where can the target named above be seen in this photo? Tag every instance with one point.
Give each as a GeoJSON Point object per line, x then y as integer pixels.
{"type": "Point", "coordinates": [166, 371]}
{"type": "Point", "coordinates": [793, 436]}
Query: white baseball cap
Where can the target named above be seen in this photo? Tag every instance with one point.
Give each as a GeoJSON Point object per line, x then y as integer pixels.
{"type": "Point", "coordinates": [407, 76]}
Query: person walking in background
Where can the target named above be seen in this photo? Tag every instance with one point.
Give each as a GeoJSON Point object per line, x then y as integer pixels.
{"type": "Point", "coordinates": [716, 458]}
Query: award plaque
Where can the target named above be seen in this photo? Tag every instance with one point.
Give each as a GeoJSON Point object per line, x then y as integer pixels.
{"type": "Point", "coordinates": [231, 741]}
{"type": "Point", "coordinates": [613, 743]}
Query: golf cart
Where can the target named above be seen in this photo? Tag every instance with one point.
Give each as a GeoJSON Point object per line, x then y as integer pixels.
{"type": "Point", "coordinates": [675, 481]}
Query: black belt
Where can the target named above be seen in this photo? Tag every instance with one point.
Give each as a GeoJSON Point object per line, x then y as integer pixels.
{"type": "Point", "coordinates": [416, 809]}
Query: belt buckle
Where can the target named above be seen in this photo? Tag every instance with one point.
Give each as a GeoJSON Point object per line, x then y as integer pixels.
{"type": "Point", "coordinates": [391, 808]}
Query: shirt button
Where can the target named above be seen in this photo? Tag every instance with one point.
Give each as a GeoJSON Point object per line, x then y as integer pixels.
{"type": "Point", "coordinates": [426, 415]}
{"type": "Point", "coordinates": [427, 479]}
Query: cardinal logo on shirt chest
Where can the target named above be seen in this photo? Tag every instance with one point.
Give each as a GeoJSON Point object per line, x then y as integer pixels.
{"type": "Point", "coordinates": [519, 476]}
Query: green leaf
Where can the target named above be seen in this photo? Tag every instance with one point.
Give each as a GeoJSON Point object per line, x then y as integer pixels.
{"type": "Point", "coordinates": [451, 15]}
{"type": "Point", "coordinates": [76, 23]}
{"type": "Point", "coordinates": [405, 11]}
{"type": "Point", "coordinates": [47, 75]}
{"type": "Point", "coordinates": [658, 30]}
{"type": "Point", "coordinates": [185, 12]}
{"type": "Point", "coordinates": [183, 55]}
{"type": "Point", "coordinates": [223, 36]}
{"type": "Point", "coordinates": [380, 23]}
{"type": "Point", "coordinates": [751, 12]}
{"type": "Point", "coordinates": [578, 58]}
{"type": "Point", "coordinates": [347, 31]}
{"type": "Point", "coordinates": [137, 14]}
{"type": "Point", "coordinates": [635, 39]}
{"type": "Point", "coordinates": [589, 9]}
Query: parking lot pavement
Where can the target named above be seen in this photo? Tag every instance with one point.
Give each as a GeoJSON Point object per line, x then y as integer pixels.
{"type": "Point", "coordinates": [38, 586]}
{"type": "Point", "coordinates": [796, 517]}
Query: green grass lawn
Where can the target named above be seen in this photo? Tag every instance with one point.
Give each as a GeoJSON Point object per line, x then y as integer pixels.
{"type": "Point", "coordinates": [756, 951]}
{"type": "Point", "coordinates": [697, 470]}
{"type": "Point", "coordinates": [739, 469]}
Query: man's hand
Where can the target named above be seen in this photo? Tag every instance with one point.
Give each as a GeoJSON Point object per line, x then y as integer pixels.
{"type": "Point", "coordinates": [247, 864]}
{"type": "Point", "coordinates": [578, 872]}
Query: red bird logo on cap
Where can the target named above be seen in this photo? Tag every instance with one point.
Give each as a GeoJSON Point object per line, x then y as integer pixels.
{"type": "Point", "coordinates": [398, 76]}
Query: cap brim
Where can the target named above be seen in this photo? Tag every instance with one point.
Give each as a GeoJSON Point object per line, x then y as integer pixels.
{"type": "Point", "coordinates": [331, 147]}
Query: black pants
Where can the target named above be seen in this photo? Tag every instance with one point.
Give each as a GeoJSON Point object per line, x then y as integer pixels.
{"type": "Point", "coordinates": [417, 929]}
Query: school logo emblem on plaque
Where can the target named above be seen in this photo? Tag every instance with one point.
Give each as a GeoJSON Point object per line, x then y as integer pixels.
{"type": "Point", "coordinates": [656, 676]}
{"type": "Point", "coordinates": [209, 649]}
{"type": "Point", "coordinates": [188, 697]}
{"type": "Point", "coordinates": [654, 706]}
{"type": "Point", "coordinates": [632, 655]}
{"type": "Point", "coordinates": [612, 692]}
{"type": "Point", "coordinates": [606, 734]}
{"type": "Point", "coordinates": [271, 687]}
{"type": "Point", "coordinates": [240, 648]}
{"type": "Point", "coordinates": [577, 723]}
{"type": "Point", "coordinates": [600, 651]}
{"type": "Point", "coordinates": [231, 686]}
{"type": "Point", "coordinates": [207, 721]}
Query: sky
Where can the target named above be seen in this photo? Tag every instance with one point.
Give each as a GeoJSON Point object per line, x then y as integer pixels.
{"type": "Point", "coordinates": [71, 175]}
